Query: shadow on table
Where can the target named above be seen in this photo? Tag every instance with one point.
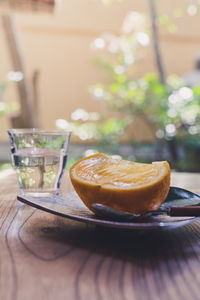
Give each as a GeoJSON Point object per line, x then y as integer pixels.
{"type": "Point", "coordinates": [105, 262]}
{"type": "Point", "coordinates": [51, 237]}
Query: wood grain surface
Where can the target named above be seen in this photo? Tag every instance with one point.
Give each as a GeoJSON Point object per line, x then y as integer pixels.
{"type": "Point", "coordinates": [47, 257]}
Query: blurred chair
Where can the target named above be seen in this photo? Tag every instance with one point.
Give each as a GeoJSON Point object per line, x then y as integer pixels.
{"type": "Point", "coordinates": [28, 116]}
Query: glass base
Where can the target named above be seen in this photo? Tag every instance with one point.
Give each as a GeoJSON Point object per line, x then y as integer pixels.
{"type": "Point", "coordinates": [39, 194]}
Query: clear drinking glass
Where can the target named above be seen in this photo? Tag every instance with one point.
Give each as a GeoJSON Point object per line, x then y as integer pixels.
{"type": "Point", "coordinates": [39, 158]}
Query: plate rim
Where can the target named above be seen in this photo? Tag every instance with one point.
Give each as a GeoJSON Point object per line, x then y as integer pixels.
{"type": "Point", "coordinates": [108, 223]}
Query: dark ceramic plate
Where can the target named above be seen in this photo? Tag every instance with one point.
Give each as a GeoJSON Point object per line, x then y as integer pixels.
{"type": "Point", "coordinates": [70, 206]}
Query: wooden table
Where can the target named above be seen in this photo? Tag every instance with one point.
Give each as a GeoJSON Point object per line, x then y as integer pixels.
{"type": "Point", "coordinates": [47, 257]}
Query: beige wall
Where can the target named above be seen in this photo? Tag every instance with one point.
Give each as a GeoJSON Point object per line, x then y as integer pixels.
{"type": "Point", "coordinates": [59, 47]}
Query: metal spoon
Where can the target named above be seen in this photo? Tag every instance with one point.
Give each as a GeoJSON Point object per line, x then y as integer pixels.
{"type": "Point", "coordinates": [192, 210]}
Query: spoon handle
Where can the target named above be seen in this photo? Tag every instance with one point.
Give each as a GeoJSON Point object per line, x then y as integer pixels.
{"type": "Point", "coordinates": [184, 211]}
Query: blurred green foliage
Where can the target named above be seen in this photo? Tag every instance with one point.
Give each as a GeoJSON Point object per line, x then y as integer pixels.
{"type": "Point", "coordinates": [171, 110]}
{"type": "Point", "coordinates": [5, 166]}
{"type": "Point", "coordinates": [5, 107]}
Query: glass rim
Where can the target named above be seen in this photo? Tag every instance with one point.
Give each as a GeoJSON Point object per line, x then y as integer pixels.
{"type": "Point", "coordinates": [38, 131]}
